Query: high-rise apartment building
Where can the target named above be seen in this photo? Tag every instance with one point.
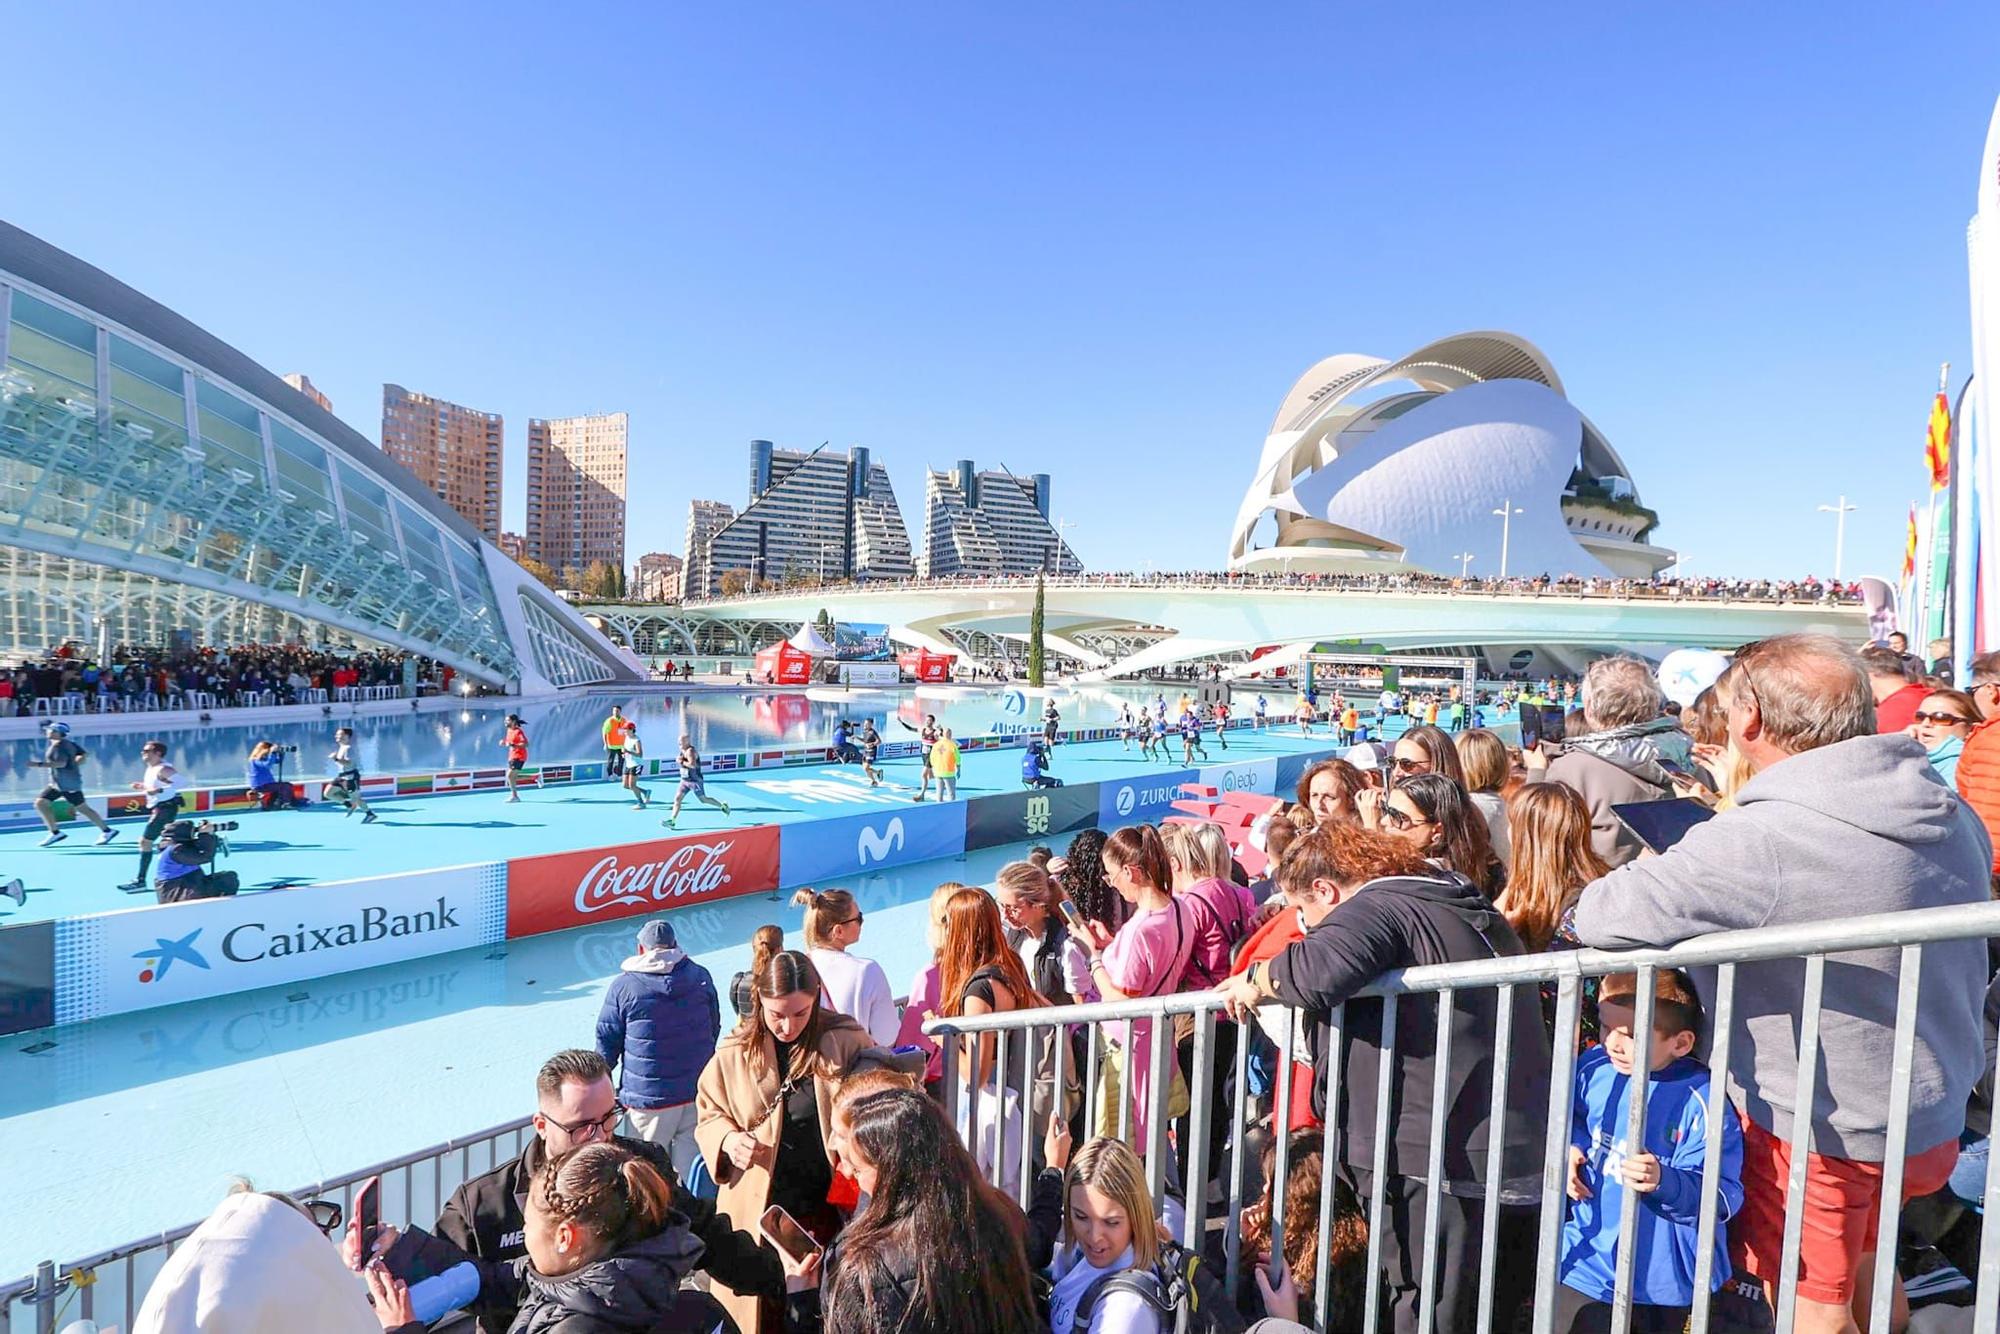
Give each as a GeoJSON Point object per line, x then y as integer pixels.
{"type": "Point", "coordinates": [706, 518]}
{"type": "Point", "coordinates": [454, 450]}
{"type": "Point", "coordinates": [656, 578]}
{"type": "Point", "coordinates": [812, 514]}
{"type": "Point", "coordinates": [990, 522]}
{"type": "Point", "coordinates": [303, 383]}
{"type": "Point", "coordinates": [576, 491]}
{"type": "Point", "coordinates": [513, 546]}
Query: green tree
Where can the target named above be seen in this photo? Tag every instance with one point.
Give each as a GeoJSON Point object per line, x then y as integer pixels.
{"type": "Point", "coordinates": [599, 581]}
{"type": "Point", "coordinates": [825, 623]}
{"type": "Point", "coordinates": [1035, 637]}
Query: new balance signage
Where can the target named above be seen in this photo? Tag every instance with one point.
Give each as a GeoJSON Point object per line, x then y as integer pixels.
{"type": "Point", "coordinates": [147, 957]}
{"type": "Point", "coordinates": [1142, 800]}
{"type": "Point", "coordinates": [565, 889]}
{"type": "Point", "coordinates": [816, 851]}
{"type": "Point", "coordinates": [1036, 813]}
{"type": "Point", "coordinates": [1259, 776]}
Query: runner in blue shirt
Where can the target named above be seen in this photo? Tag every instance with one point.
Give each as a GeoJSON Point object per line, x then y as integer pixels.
{"type": "Point", "coordinates": [1191, 736]}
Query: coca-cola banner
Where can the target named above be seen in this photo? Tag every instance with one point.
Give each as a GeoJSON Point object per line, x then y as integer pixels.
{"type": "Point", "coordinates": [564, 889]}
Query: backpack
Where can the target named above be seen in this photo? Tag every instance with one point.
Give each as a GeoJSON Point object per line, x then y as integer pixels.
{"type": "Point", "coordinates": [1181, 1286]}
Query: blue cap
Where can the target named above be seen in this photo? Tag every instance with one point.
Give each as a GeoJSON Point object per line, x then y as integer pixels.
{"type": "Point", "coordinates": [59, 728]}
{"type": "Point", "coordinates": [656, 935]}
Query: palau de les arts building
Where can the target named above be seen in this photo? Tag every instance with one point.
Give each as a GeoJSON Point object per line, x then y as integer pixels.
{"type": "Point", "coordinates": [1373, 466]}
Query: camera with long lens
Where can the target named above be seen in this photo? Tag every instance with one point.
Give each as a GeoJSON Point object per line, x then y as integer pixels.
{"type": "Point", "coordinates": [218, 827]}
{"type": "Point", "coordinates": [287, 750]}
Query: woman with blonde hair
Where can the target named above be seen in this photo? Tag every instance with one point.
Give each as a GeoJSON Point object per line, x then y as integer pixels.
{"type": "Point", "coordinates": [921, 1005]}
{"type": "Point", "coordinates": [854, 985]}
{"type": "Point", "coordinates": [1108, 1228]}
{"type": "Point", "coordinates": [1483, 756]}
{"type": "Point", "coordinates": [764, 1110]}
{"type": "Point", "coordinates": [1549, 826]}
{"type": "Point", "coordinates": [765, 941]}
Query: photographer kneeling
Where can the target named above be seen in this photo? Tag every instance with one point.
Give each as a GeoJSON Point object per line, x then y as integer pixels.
{"type": "Point", "coordinates": [264, 776]}
{"type": "Point", "coordinates": [182, 872]}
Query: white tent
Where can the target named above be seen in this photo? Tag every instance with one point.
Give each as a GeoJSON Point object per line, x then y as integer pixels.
{"type": "Point", "coordinates": [810, 640]}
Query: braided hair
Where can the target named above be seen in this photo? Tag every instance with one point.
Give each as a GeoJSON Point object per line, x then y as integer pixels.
{"type": "Point", "coordinates": [609, 1191]}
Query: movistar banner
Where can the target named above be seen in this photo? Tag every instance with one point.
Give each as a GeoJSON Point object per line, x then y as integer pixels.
{"type": "Point", "coordinates": [812, 852]}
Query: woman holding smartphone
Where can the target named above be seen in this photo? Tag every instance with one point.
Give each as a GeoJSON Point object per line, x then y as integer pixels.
{"type": "Point", "coordinates": [764, 1108]}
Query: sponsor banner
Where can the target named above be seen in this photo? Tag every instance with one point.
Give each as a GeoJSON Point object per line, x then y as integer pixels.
{"type": "Point", "coordinates": [1146, 799]}
{"type": "Point", "coordinates": [564, 889]}
{"type": "Point", "coordinates": [145, 957]}
{"type": "Point", "coordinates": [1037, 813]}
{"type": "Point", "coordinates": [815, 851]}
{"type": "Point", "coordinates": [27, 976]}
{"type": "Point", "coordinates": [1259, 776]}
{"type": "Point", "coordinates": [1291, 768]}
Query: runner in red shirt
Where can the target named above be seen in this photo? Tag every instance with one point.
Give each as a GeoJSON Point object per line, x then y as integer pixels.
{"type": "Point", "coordinates": [517, 754]}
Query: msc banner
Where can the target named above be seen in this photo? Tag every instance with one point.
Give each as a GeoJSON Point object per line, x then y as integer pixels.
{"type": "Point", "coordinates": [1259, 776]}
{"type": "Point", "coordinates": [1015, 817]}
{"type": "Point", "coordinates": [113, 963]}
{"type": "Point", "coordinates": [565, 889]}
{"type": "Point", "coordinates": [1146, 799]}
{"type": "Point", "coordinates": [816, 851]}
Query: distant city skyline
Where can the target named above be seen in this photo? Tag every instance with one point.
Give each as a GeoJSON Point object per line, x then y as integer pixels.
{"type": "Point", "coordinates": [1028, 240]}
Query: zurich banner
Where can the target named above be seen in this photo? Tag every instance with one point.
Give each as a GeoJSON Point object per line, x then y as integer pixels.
{"type": "Point", "coordinates": [1044, 813]}
{"type": "Point", "coordinates": [1258, 776]}
{"type": "Point", "coordinates": [812, 852]}
{"type": "Point", "coordinates": [1145, 799]}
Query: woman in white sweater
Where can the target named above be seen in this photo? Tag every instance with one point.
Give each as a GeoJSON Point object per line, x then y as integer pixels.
{"type": "Point", "coordinates": [854, 986]}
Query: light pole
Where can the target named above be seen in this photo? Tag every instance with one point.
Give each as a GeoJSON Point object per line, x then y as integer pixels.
{"type": "Point", "coordinates": [1464, 563]}
{"type": "Point", "coordinates": [1508, 509]}
{"type": "Point", "coordinates": [1839, 512]}
{"type": "Point", "coordinates": [1062, 526]}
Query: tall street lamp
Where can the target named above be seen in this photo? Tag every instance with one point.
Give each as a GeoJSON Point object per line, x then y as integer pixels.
{"type": "Point", "coordinates": [1508, 509]}
{"type": "Point", "coordinates": [1839, 512]}
{"type": "Point", "coordinates": [1464, 562]}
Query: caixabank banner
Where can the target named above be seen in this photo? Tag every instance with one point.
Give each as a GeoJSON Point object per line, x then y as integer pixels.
{"type": "Point", "coordinates": [1144, 799]}
{"type": "Point", "coordinates": [815, 852]}
{"type": "Point", "coordinates": [1035, 814]}
{"type": "Point", "coordinates": [565, 889]}
{"type": "Point", "coordinates": [113, 963]}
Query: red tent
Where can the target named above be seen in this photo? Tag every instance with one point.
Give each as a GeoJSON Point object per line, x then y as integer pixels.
{"type": "Point", "coordinates": [783, 665]}
{"type": "Point", "coordinates": [925, 665]}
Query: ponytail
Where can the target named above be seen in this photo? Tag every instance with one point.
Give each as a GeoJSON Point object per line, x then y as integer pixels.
{"type": "Point", "coordinates": [824, 912]}
{"type": "Point", "coordinates": [765, 941]}
{"type": "Point", "coordinates": [1139, 847]}
{"type": "Point", "coordinates": [608, 1190]}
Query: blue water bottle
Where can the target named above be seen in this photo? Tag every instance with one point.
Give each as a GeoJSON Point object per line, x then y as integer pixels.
{"type": "Point", "coordinates": [454, 1288]}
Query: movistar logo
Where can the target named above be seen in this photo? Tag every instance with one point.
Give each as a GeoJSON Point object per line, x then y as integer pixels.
{"type": "Point", "coordinates": [874, 847]}
{"type": "Point", "coordinates": [163, 954]}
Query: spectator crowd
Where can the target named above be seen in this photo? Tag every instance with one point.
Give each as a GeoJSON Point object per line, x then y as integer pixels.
{"type": "Point", "coordinates": [796, 1169]}
{"type": "Point", "coordinates": [134, 679]}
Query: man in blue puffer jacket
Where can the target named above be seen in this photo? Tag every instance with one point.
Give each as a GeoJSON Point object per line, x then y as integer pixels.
{"type": "Point", "coordinates": [658, 1029]}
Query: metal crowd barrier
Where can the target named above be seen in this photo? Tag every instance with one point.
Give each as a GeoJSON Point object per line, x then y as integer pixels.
{"type": "Point", "coordinates": [110, 1286]}
{"type": "Point", "coordinates": [1910, 931]}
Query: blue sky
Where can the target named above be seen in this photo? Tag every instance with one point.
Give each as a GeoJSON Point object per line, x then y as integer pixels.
{"type": "Point", "coordinates": [1096, 240]}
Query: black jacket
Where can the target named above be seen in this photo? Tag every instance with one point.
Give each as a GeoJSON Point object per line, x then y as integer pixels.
{"type": "Point", "coordinates": [1046, 969]}
{"type": "Point", "coordinates": [484, 1219]}
{"type": "Point", "coordinates": [1401, 923]}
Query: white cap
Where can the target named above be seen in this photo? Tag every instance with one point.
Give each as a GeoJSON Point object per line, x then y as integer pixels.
{"type": "Point", "coordinates": [1368, 755]}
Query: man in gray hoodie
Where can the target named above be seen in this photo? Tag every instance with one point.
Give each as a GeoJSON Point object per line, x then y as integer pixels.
{"type": "Point", "coordinates": [1837, 822]}
{"type": "Point", "coordinates": [1618, 759]}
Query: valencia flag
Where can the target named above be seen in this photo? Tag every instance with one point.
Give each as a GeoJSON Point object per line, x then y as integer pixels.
{"type": "Point", "coordinates": [1937, 444]}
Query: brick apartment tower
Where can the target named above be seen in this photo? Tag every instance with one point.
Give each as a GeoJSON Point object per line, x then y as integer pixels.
{"type": "Point", "coordinates": [576, 491]}
{"type": "Point", "coordinates": [454, 450]}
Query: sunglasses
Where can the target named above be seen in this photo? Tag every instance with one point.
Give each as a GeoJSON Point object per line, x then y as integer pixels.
{"type": "Point", "coordinates": [326, 1214]}
{"type": "Point", "coordinates": [1397, 818]}
{"type": "Point", "coordinates": [1940, 718]}
{"type": "Point", "coordinates": [1410, 766]}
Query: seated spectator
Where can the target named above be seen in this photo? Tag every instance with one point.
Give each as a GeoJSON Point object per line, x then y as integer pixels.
{"type": "Point", "coordinates": [1941, 725]}
{"type": "Point", "coordinates": [1836, 821]}
{"type": "Point", "coordinates": [1487, 767]}
{"type": "Point", "coordinates": [1893, 682]}
{"type": "Point", "coordinates": [658, 1027]}
{"type": "Point", "coordinates": [1667, 1172]}
{"type": "Point", "coordinates": [934, 1249]}
{"type": "Point", "coordinates": [1617, 758]}
{"type": "Point", "coordinates": [1370, 903]}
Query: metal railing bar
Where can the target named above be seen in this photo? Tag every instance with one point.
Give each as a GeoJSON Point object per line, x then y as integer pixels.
{"type": "Point", "coordinates": [1898, 1147]}
{"type": "Point", "coordinates": [1434, 1164]}
{"type": "Point", "coordinates": [1232, 1226]}
{"type": "Point", "coordinates": [1636, 1085]}
{"type": "Point", "coordinates": [1328, 1146]}
{"type": "Point", "coordinates": [1199, 1114]}
{"type": "Point", "coordinates": [1496, 1143]}
{"type": "Point", "coordinates": [1379, 1164]}
{"type": "Point", "coordinates": [1802, 1122]}
{"type": "Point", "coordinates": [1555, 1149]}
{"type": "Point", "coordinates": [1717, 1106]}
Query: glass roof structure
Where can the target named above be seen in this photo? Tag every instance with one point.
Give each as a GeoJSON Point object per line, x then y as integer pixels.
{"type": "Point", "coordinates": [154, 480]}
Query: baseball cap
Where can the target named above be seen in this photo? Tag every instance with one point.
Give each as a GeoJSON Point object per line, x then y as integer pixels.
{"type": "Point", "coordinates": [1368, 755]}
{"type": "Point", "coordinates": [59, 728]}
{"type": "Point", "coordinates": [657, 935]}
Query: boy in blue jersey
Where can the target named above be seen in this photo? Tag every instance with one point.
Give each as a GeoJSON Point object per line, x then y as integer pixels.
{"type": "Point", "coordinates": [1666, 1171]}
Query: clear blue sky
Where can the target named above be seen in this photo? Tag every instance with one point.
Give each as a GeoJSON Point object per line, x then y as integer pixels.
{"type": "Point", "coordinates": [1096, 240]}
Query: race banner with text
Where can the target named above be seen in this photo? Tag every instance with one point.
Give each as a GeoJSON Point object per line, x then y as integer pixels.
{"type": "Point", "coordinates": [1259, 776]}
{"type": "Point", "coordinates": [813, 852]}
{"type": "Point", "coordinates": [1037, 813]}
{"type": "Point", "coordinates": [559, 890]}
{"type": "Point", "coordinates": [1142, 799]}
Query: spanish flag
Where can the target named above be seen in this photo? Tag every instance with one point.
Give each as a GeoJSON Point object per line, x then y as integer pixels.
{"type": "Point", "coordinates": [1937, 444]}
{"type": "Point", "coordinates": [1910, 548]}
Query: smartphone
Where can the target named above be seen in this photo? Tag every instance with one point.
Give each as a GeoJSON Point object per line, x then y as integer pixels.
{"type": "Point", "coordinates": [1531, 726]}
{"type": "Point", "coordinates": [783, 1231]}
{"type": "Point", "coordinates": [368, 1213]}
{"type": "Point", "coordinates": [1071, 914]}
{"type": "Point", "coordinates": [1661, 824]}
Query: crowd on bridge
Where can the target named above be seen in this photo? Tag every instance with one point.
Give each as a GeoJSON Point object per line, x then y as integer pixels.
{"type": "Point", "coordinates": [802, 1159]}
{"type": "Point", "coordinates": [137, 679]}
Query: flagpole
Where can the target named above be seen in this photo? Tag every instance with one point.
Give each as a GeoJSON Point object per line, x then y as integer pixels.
{"type": "Point", "coordinates": [1947, 599]}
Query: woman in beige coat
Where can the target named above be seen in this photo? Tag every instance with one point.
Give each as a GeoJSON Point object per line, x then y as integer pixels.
{"type": "Point", "coordinates": [764, 1110]}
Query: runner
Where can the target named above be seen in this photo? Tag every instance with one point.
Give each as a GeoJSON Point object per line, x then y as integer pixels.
{"type": "Point", "coordinates": [345, 789]}
{"type": "Point", "coordinates": [632, 764]}
{"type": "Point", "coordinates": [690, 762]}
{"type": "Point", "coordinates": [63, 759]}
{"type": "Point", "coordinates": [1222, 722]}
{"type": "Point", "coordinates": [1350, 723]}
{"type": "Point", "coordinates": [1051, 723]}
{"type": "Point", "coordinates": [516, 743]}
{"type": "Point", "coordinates": [1263, 709]}
{"type": "Point", "coordinates": [1191, 736]}
{"type": "Point", "coordinates": [1303, 715]}
{"type": "Point", "coordinates": [161, 788]}
{"type": "Point", "coordinates": [614, 742]}
{"type": "Point", "coordinates": [1125, 726]}
{"type": "Point", "coordinates": [927, 738]}
{"type": "Point", "coordinates": [871, 746]}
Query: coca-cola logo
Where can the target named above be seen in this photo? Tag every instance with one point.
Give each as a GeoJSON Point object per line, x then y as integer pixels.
{"type": "Point", "coordinates": [691, 871]}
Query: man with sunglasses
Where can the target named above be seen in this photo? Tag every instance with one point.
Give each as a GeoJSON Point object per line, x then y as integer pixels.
{"type": "Point", "coordinates": [575, 1104]}
{"type": "Point", "coordinates": [1978, 774]}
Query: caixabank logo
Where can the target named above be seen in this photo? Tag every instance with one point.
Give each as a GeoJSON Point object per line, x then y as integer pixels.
{"type": "Point", "coordinates": [158, 960]}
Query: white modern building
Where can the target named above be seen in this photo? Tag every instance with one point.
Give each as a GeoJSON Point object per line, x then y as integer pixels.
{"type": "Point", "coordinates": [1465, 456]}
{"type": "Point", "coordinates": [990, 522]}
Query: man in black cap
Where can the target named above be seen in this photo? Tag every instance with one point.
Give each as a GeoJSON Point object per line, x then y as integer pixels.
{"type": "Point", "coordinates": [658, 1029]}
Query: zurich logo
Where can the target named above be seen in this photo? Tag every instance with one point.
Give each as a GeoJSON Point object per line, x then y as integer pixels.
{"type": "Point", "coordinates": [1125, 800]}
{"type": "Point", "coordinates": [164, 952]}
{"type": "Point", "coordinates": [874, 847]}
{"type": "Point", "coordinates": [1014, 702]}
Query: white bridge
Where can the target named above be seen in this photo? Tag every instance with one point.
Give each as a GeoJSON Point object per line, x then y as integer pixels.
{"type": "Point", "coordinates": [1113, 626]}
